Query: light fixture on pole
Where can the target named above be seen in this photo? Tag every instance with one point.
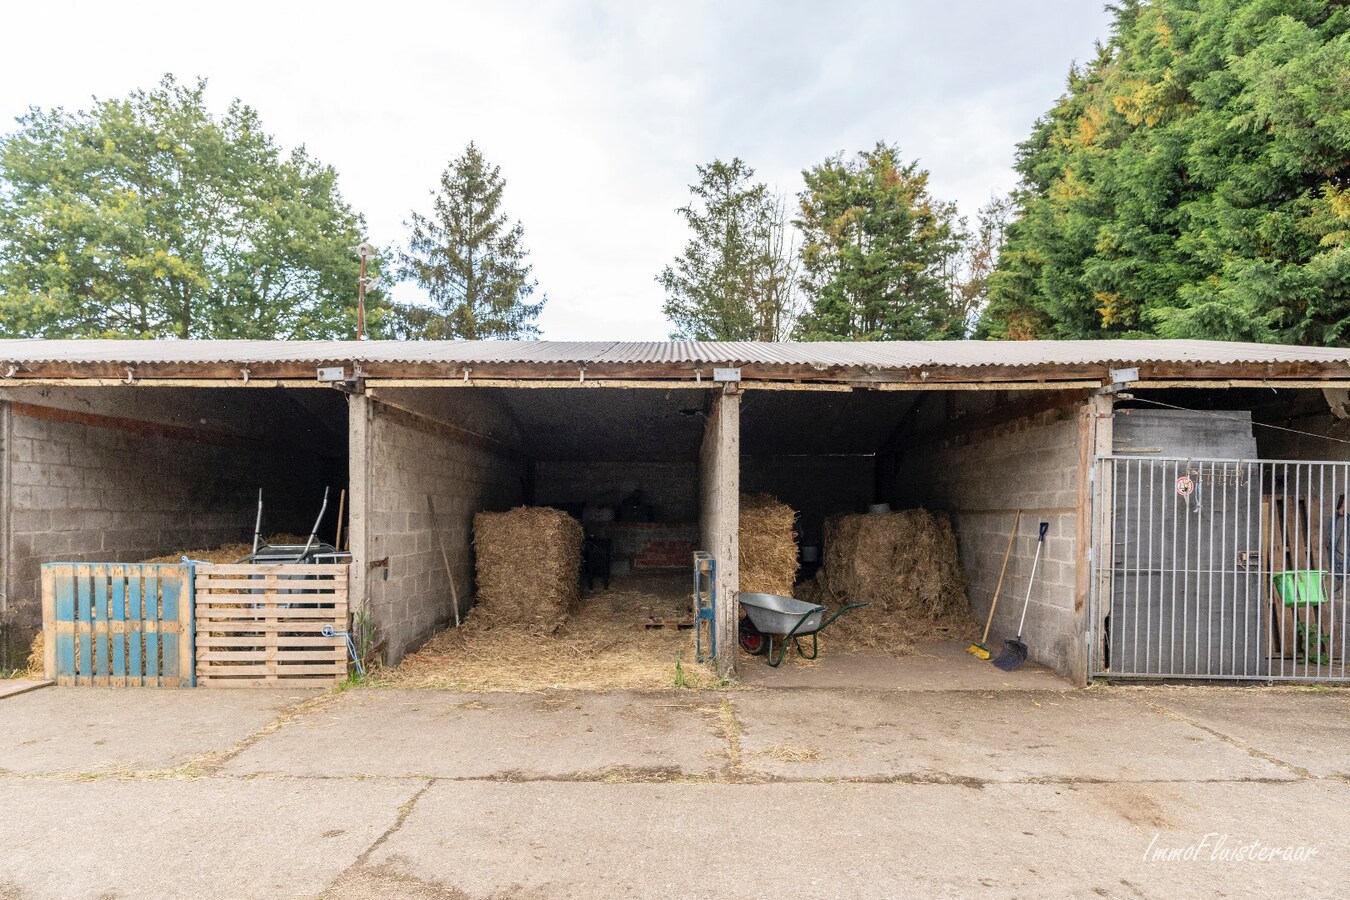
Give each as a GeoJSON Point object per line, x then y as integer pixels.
{"type": "Point", "coordinates": [365, 250]}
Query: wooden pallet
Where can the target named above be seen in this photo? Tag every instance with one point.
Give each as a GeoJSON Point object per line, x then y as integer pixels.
{"type": "Point", "coordinates": [650, 622]}
{"type": "Point", "coordinates": [261, 626]}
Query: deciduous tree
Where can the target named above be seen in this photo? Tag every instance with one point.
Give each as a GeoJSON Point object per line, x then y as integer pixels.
{"type": "Point", "coordinates": [151, 217]}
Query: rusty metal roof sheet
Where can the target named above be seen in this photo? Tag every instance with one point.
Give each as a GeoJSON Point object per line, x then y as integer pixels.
{"type": "Point", "coordinates": [879, 354]}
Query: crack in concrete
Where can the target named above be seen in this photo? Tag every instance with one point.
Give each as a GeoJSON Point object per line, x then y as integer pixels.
{"type": "Point", "coordinates": [731, 731]}
{"type": "Point", "coordinates": [663, 775]}
{"type": "Point", "coordinates": [1255, 752]}
{"type": "Point", "coordinates": [404, 811]}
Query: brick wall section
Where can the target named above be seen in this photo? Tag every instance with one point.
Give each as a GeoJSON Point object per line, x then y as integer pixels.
{"type": "Point", "coordinates": [119, 475]}
{"type": "Point", "coordinates": [458, 450]}
{"type": "Point", "coordinates": [980, 479]}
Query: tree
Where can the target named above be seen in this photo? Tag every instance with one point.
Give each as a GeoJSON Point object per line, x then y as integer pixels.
{"type": "Point", "coordinates": [876, 252]}
{"type": "Point", "coordinates": [975, 260]}
{"type": "Point", "coordinates": [150, 217]}
{"type": "Point", "coordinates": [469, 260]}
{"type": "Point", "coordinates": [736, 279]}
{"type": "Point", "coordinates": [1191, 183]}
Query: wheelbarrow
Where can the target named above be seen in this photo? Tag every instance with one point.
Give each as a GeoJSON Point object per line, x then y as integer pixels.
{"type": "Point", "coordinates": [786, 618]}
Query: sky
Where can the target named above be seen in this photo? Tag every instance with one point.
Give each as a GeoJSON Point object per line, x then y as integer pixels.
{"type": "Point", "coordinates": [597, 111]}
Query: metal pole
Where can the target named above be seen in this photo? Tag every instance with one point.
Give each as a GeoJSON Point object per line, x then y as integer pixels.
{"type": "Point", "coordinates": [361, 301]}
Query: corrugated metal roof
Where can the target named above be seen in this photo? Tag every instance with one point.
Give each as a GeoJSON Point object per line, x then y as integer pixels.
{"type": "Point", "coordinates": [881, 354]}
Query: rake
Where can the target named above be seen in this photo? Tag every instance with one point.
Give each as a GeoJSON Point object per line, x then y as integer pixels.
{"type": "Point", "coordinates": [979, 648]}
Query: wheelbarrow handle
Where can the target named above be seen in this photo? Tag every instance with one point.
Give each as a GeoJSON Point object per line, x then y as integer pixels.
{"type": "Point", "coordinates": [840, 611]}
{"type": "Point", "coordinates": [783, 646]}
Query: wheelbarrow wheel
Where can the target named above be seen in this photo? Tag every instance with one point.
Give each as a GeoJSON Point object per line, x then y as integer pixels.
{"type": "Point", "coordinates": [752, 639]}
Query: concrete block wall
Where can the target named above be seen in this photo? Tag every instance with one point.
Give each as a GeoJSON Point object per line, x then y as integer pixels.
{"type": "Point", "coordinates": [457, 449]}
{"type": "Point", "coordinates": [124, 474]}
{"type": "Point", "coordinates": [981, 478]}
{"type": "Point", "coordinates": [671, 488]}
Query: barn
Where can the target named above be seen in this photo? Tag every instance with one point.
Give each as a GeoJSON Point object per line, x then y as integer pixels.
{"type": "Point", "coordinates": [1192, 490]}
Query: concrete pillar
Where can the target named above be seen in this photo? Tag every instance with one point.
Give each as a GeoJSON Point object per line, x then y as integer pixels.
{"type": "Point", "coordinates": [358, 494]}
{"type": "Point", "coordinates": [1094, 440]}
{"type": "Point", "coordinates": [719, 514]}
{"type": "Point", "coordinates": [10, 644]}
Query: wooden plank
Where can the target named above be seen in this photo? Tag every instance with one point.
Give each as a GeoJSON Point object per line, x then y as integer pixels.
{"type": "Point", "coordinates": [118, 624]}
{"type": "Point", "coordinates": [136, 623]}
{"type": "Point", "coordinates": [225, 614]}
{"type": "Point", "coordinates": [206, 641]}
{"type": "Point", "coordinates": [84, 668]}
{"type": "Point", "coordinates": [236, 569]}
{"type": "Point", "coordinates": [102, 666]}
{"type": "Point", "coordinates": [49, 622]}
{"type": "Point", "coordinates": [272, 671]}
{"type": "Point", "coordinates": [315, 655]}
{"type": "Point", "coordinates": [119, 627]}
{"type": "Point", "coordinates": [273, 587]}
{"type": "Point", "coordinates": [150, 579]}
{"type": "Point", "coordinates": [187, 662]}
{"type": "Point", "coordinates": [256, 626]}
{"type": "Point", "coordinates": [171, 589]}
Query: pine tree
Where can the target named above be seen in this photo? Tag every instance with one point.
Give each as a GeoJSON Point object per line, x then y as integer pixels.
{"type": "Point", "coordinates": [876, 252]}
{"type": "Point", "coordinates": [469, 260]}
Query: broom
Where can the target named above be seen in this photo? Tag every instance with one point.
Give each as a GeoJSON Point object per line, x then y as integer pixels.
{"type": "Point", "coordinates": [979, 649]}
{"type": "Point", "coordinates": [1014, 651]}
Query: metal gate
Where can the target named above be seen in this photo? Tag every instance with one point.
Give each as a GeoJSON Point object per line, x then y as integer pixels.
{"type": "Point", "coordinates": [1220, 569]}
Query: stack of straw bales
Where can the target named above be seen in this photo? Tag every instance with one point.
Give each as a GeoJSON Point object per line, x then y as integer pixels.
{"type": "Point", "coordinates": [906, 564]}
{"type": "Point", "coordinates": [768, 557]}
{"type": "Point", "coordinates": [528, 565]}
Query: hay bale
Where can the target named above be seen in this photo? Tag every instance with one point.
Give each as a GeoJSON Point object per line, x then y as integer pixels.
{"type": "Point", "coordinates": [225, 553]}
{"type": "Point", "coordinates": [768, 554]}
{"type": "Point", "coordinates": [906, 564]}
{"type": "Point", "coordinates": [528, 565]}
{"type": "Point", "coordinates": [37, 657]}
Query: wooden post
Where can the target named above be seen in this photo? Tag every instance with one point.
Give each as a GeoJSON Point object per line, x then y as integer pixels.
{"type": "Point", "coordinates": [48, 623]}
{"type": "Point", "coordinates": [1094, 439]}
{"type": "Point", "coordinates": [719, 515]}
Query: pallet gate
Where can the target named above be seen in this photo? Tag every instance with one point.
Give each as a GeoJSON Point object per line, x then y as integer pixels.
{"type": "Point", "coordinates": [157, 625]}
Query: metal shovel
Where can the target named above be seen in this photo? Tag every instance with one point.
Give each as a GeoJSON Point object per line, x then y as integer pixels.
{"type": "Point", "coordinates": [1014, 651]}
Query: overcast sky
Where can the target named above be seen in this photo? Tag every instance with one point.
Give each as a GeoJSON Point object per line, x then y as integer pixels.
{"type": "Point", "coordinates": [597, 111]}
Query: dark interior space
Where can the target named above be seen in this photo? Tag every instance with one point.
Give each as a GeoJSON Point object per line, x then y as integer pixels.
{"type": "Point", "coordinates": [623, 462]}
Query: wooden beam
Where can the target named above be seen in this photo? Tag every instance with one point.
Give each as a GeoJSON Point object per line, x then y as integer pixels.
{"type": "Point", "coordinates": [1080, 384]}
{"type": "Point", "coordinates": [1095, 438]}
{"type": "Point", "coordinates": [977, 377]}
{"type": "Point", "coordinates": [536, 383]}
{"type": "Point", "coordinates": [1003, 415]}
{"type": "Point", "coordinates": [420, 421]}
{"type": "Point", "coordinates": [164, 382]}
{"type": "Point", "coordinates": [139, 427]}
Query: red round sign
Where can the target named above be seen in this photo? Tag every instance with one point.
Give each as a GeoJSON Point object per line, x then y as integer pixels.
{"type": "Point", "coordinates": [1185, 487]}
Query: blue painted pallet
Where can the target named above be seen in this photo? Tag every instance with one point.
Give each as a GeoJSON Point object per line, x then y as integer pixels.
{"type": "Point", "coordinates": [119, 624]}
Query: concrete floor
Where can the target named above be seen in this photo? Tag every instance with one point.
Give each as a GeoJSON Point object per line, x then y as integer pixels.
{"type": "Point", "coordinates": [765, 792]}
{"type": "Point", "coordinates": [933, 666]}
